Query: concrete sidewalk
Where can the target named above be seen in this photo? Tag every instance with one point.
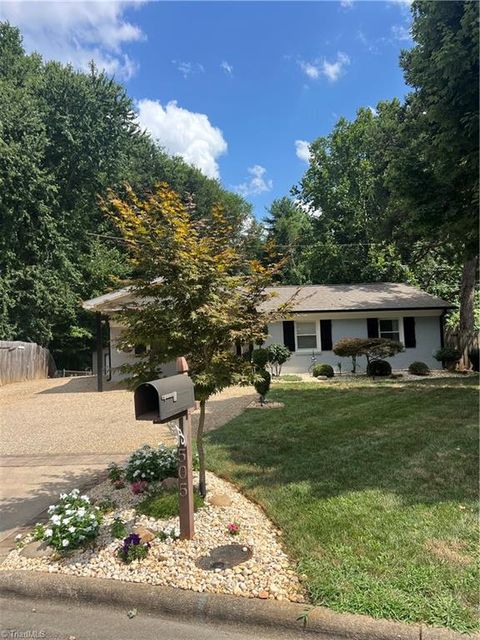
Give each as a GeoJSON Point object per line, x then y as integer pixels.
{"type": "Point", "coordinates": [29, 484]}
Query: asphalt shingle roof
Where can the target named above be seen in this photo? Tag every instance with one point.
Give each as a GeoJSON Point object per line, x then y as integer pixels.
{"type": "Point", "coordinates": [350, 297]}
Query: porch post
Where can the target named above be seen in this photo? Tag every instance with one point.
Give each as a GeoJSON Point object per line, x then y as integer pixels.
{"type": "Point", "coordinates": [98, 317]}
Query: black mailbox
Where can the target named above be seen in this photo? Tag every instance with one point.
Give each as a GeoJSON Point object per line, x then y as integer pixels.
{"type": "Point", "coordinates": [164, 399]}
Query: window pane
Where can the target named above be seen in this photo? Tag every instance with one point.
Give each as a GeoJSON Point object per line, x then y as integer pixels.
{"type": "Point", "coordinates": [306, 328]}
{"type": "Point", "coordinates": [391, 335]}
{"type": "Point", "coordinates": [307, 342]}
{"type": "Point", "coordinates": [388, 325]}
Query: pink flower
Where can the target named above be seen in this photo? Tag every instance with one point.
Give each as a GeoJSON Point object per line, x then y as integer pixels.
{"type": "Point", "coordinates": [140, 486]}
{"type": "Point", "coordinates": [233, 528]}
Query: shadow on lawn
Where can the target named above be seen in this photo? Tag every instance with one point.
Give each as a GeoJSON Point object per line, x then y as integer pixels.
{"type": "Point", "coordinates": [417, 440]}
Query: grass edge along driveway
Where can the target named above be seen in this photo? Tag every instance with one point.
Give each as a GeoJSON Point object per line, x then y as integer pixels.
{"type": "Point", "coordinates": [374, 485]}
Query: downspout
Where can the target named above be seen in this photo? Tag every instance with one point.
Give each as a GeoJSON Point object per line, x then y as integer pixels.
{"type": "Point", "coordinates": [98, 317]}
{"type": "Point", "coordinates": [442, 332]}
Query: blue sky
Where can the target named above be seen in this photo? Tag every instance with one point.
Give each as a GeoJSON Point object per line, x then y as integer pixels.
{"type": "Point", "coordinates": [237, 88]}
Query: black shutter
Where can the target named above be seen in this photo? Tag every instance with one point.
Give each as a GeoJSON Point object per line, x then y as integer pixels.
{"type": "Point", "coordinates": [238, 347]}
{"type": "Point", "coordinates": [409, 333]}
{"type": "Point", "coordinates": [289, 334]}
{"type": "Point", "coordinates": [326, 335]}
{"type": "Point", "coordinates": [372, 327]}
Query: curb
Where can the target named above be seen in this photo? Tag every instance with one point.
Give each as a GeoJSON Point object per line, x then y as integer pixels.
{"type": "Point", "coordinates": [189, 605]}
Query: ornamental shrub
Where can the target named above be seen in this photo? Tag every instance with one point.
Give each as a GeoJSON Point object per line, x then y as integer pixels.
{"type": "Point", "coordinates": [419, 369]}
{"type": "Point", "coordinates": [260, 358]}
{"type": "Point", "coordinates": [323, 370]}
{"type": "Point", "coordinates": [278, 354]}
{"type": "Point", "coordinates": [448, 354]}
{"type": "Point", "coordinates": [262, 384]}
{"type": "Point", "coordinates": [71, 522]}
{"type": "Point", "coordinates": [150, 464]}
{"type": "Point", "coordinates": [379, 368]}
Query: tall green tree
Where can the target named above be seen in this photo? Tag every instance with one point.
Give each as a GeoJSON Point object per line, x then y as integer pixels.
{"type": "Point", "coordinates": [436, 170]}
{"type": "Point", "coordinates": [288, 228]}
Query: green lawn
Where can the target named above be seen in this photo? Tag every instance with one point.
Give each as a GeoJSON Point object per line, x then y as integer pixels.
{"type": "Point", "coordinates": [374, 485]}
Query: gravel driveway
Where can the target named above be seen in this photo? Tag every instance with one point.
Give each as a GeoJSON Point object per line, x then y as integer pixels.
{"type": "Point", "coordinates": [55, 434]}
{"type": "Point", "coordinates": [67, 416]}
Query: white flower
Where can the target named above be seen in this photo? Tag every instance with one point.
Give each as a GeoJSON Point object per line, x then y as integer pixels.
{"type": "Point", "coordinates": [71, 529]}
{"type": "Point", "coordinates": [69, 512]}
{"type": "Point", "coordinates": [86, 498]}
{"type": "Point", "coordinates": [74, 492]}
{"type": "Point", "coordinates": [18, 536]}
{"type": "Point", "coordinates": [63, 496]}
{"type": "Point", "coordinates": [81, 512]}
{"type": "Point", "coordinates": [48, 533]}
{"type": "Point", "coordinates": [65, 542]}
{"type": "Point", "coordinates": [66, 520]}
{"type": "Point", "coordinates": [56, 519]}
{"type": "Point", "coordinates": [51, 508]}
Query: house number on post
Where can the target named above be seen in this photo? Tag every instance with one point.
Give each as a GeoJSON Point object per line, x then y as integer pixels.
{"type": "Point", "coordinates": [185, 468]}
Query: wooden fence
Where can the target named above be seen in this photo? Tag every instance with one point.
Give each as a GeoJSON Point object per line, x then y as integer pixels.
{"type": "Point", "coordinates": [24, 361]}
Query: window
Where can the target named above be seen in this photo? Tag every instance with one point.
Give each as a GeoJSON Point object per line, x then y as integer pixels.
{"type": "Point", "coordinates": [306, 333]}
{"type": "Point", "coordinates": [389, 329]}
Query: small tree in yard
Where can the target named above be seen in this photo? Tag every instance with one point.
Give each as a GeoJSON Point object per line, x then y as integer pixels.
{"type": "Point", "coordinates": [198, 293]}
{"type": "Point", "coordinates": [372, 348]}
{"type": "Point", "coordinates": [278, 354]}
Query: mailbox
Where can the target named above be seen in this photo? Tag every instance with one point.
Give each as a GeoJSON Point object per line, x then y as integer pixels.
{"type": "Point", "coordinates": [164, 399]}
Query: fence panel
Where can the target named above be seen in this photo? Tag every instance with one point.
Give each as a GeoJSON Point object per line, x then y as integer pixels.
{"type": "Point", "coordinates": [24, 361]}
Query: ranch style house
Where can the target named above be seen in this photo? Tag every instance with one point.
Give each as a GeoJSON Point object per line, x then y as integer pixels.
{"type": "Point", "coordinates": [321, 315]}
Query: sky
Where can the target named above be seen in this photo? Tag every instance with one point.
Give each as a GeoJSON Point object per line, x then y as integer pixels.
{"type": "Point", "coordinates": [238, 89]}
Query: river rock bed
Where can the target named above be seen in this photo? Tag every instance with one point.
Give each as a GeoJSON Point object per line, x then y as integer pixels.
{"type": "Point", "coordinates": [268, 574]}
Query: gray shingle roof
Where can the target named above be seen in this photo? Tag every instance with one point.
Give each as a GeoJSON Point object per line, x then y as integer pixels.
{"type": "Point", "coordinates": [315, 297]}
{"type": "Point", "coordinates": [355, 297]}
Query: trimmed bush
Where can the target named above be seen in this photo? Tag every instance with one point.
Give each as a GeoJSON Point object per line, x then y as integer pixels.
{"type": "Point", "coordinates": [260, 358]}
{"type": "Point", "coordinates": [278, 354]}
{"type": "Point", "coordinates": [379, 368]}
{"type": "Point", "coordinates": [323, 370]}
{"type": "Point", "coordinates": [262, 384]}
{"type": "Point", "coordinates": [448, 354]}
{"type": "Point", "coordinates": [419, 369]}
{"type": "Point", "coordinates": [474, 356]}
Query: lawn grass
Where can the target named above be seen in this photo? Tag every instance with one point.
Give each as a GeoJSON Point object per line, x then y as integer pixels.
{"type": "Point", "coordinates": [165, 504]}
{"type": "Point", "coordinates": [374, 485]}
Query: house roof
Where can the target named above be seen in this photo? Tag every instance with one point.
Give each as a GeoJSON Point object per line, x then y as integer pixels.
{"type": "Point", "coordinates": [316, 297]}
{"type": "Point", "coordinates": [354, 297]}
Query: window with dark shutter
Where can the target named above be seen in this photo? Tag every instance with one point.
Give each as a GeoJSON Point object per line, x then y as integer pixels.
{"type": "Point", "coordinates": [289, 334]}
{"type": "Point", "coordinates": [409, 333]}
{"type": "Point", "coordinates": [372, 327]}
{"type": "Point", "coordinates": [326, 335]}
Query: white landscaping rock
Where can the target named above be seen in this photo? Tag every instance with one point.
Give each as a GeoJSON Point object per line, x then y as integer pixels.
{"type": "Point", "coordinates": [268, 574]}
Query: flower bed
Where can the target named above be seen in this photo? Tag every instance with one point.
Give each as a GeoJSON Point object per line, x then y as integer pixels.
{"type": "Point", "coordinates": [170, 561]}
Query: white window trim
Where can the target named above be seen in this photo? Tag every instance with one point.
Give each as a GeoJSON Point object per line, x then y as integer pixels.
{"type": "Point", "coordinates": [400, 328]}
{"type": "Point", "coordinates": [318, 348]}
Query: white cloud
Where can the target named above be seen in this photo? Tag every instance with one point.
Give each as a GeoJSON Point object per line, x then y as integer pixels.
{"type": "Point", "coordinates": [401, 32]}
{"type": "Point", "coordinates": [310, 69]}
{"type": "Point", "coordinates": [184, 133]}
{"type": "Point", "coordinates": [322, 67]}
{"type": "Point", "coordinates": [77, 32]}
{"type": "Point", "coordinates": [373, 111]}
{"type": "Point", "coordinates": [346, 4]}
{"type": "Point", "coordinates": [225, 66]}
{"type": "Point", "coordinates": [187, 68]}
{"type": "Point", "coordinates": [256, 183]}
{"type": "Point", "coordinates": [302, 149]}
{"type": "Point", "coordinates": [333, 70]}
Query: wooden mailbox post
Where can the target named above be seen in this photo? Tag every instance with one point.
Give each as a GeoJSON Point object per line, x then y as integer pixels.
{"type": "Point", "coordinates": [168, 399]}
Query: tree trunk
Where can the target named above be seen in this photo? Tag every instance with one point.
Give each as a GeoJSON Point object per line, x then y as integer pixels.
{"type": "Point", "coordinates": [202, 485]}
{"type": "Point", "coordinates": [467, 306]}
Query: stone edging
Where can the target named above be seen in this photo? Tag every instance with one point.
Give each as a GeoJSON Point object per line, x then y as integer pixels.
{"type": "Point", "coordinates": [202, 607]}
